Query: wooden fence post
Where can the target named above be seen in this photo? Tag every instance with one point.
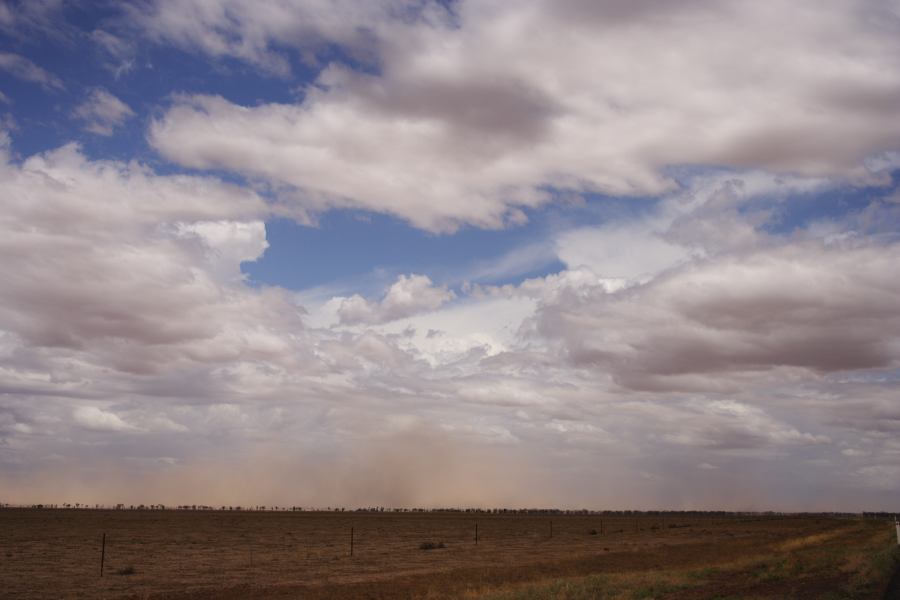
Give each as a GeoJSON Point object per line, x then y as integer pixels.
{"type": "Point", "coordinates": [102, 553]}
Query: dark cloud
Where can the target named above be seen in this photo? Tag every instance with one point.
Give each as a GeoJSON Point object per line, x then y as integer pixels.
{"type": "Point", "coordinates": [485, 109]}
{"type": "Point", "coordinates": [618, 13]}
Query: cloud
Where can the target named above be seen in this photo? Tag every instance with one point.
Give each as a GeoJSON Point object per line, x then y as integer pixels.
{"type": "Point", "coordinates": [21, 67]}
{"type": "Point", "coordinates": [120, 53]}
{"type": "Point", "coordinates": [409, 295]}
{"type": "Point", "coordinates": [102, 112]}
{"type": "Point", "coordinates": [125, 268]}
{"type": "Point", "coordinates": [95, 419]}
{"type": "Point", "coordinates": [260, 34]}
{"type": "Point", "coordinates": [711, 327]}
{"type": "Point", "coordinates": [128, 330]}
{"type": "Point", "coordinates": [882, 477]}
{"type": "Point", "coordinates": [228, 244]}
{"type": "Point", "coordinates": [823, 307]}
{"type": "Point", "coordinates": [610, 251]}
{"type": "Point", "coordinates": [24, 19]}
{"type": "Point", "coordinates": [475, 116]}
{"type": "Point", "coordinates": [730, 425]}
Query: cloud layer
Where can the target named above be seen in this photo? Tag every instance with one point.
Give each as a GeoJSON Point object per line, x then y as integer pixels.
{"type": "Point", "coordinates": [476, 114]}
{"type": "Point", "coordinates": [137, 332]}
{"type": "Point", "coordinates": [821, 307]}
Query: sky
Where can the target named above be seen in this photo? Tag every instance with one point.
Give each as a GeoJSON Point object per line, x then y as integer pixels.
{"type": "Point", "coordinates": [417, 253]}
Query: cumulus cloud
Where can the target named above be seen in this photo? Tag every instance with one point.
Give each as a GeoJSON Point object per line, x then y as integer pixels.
{"type": "Point", "coordinates": [102, 112]}
{"type": "Point", "coordinates": [409, 295]}
{"type": "Point", "coordinates": [23, 68]}
{"type": "Point", "coordinates": [111, 260]}
{"type": "Point", "coordinates": [472, 117]}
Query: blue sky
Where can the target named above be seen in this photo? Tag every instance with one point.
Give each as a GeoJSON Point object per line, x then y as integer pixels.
{"type": "Point", "coordinates": [316, 229]}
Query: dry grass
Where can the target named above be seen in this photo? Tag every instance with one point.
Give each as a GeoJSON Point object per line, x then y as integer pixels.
{"type": "Point", "coordinates": [810, 540]}
{"type": "Point", "coordinates": [847, 563]}
{"type": "Point", "coordinates": [306, 555]}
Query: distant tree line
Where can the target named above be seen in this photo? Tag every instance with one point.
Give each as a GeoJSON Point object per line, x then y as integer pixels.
{"type": "Point", "coordinates": [458, 510]}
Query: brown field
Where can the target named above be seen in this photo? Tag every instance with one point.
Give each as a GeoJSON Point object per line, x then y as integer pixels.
{"type": "Point", "coordinates": [209, 554]}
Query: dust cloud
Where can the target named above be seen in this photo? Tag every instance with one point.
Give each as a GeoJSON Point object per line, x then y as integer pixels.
{"type": "Point", "coordinates": [418, 468]}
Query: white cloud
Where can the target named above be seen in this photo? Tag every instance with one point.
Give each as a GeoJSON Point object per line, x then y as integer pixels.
{"type": "Point", "coordinates": [630, 253]}
{"type": "Point", "coordinates": [97, 261]}
{"type": "Point", "coordinates": [475, 115]}
{"type": "Point", "coordinates": [95, 419]}
{"type": "Point", "coordinates": [854, 453]}
{"type": "Point", "coordinates": [409, 295]}
{"type": "Point", "coordinates": [727, 424]}
{"type": "Point", "coordinates": [882, 477]}
{"type": "Point", "coordinates": [26, 20]}
{"type": "Point", "coordinates": [102, 112]}
{"type": "Point", "coordinates": [259, 34]}
{"type": "Point", "coordinates": [119, 51]}
{"type": "Point", "coordinates": [228, 244]}
{"type": "Point", "coordinates": [23, 68]}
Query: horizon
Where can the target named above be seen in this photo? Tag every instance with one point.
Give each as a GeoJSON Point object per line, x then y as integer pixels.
{"type": "Point", "coordinates": [496, 510]}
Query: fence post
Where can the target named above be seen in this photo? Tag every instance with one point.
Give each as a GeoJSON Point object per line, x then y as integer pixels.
{"type": "Point", "coordinates": [102, 553]}
{"type": "Point", "coordinates": [551, 529]}
{"type": "Point", "coordinates": [897, 527]}
{"type": "Point", "coordinates": [476, 533]}
{"type": "Point", "coordinates": [351, 541]}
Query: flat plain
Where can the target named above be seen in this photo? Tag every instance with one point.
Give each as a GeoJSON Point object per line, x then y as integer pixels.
{"type": "Point", "coordinates": [175, 554]}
